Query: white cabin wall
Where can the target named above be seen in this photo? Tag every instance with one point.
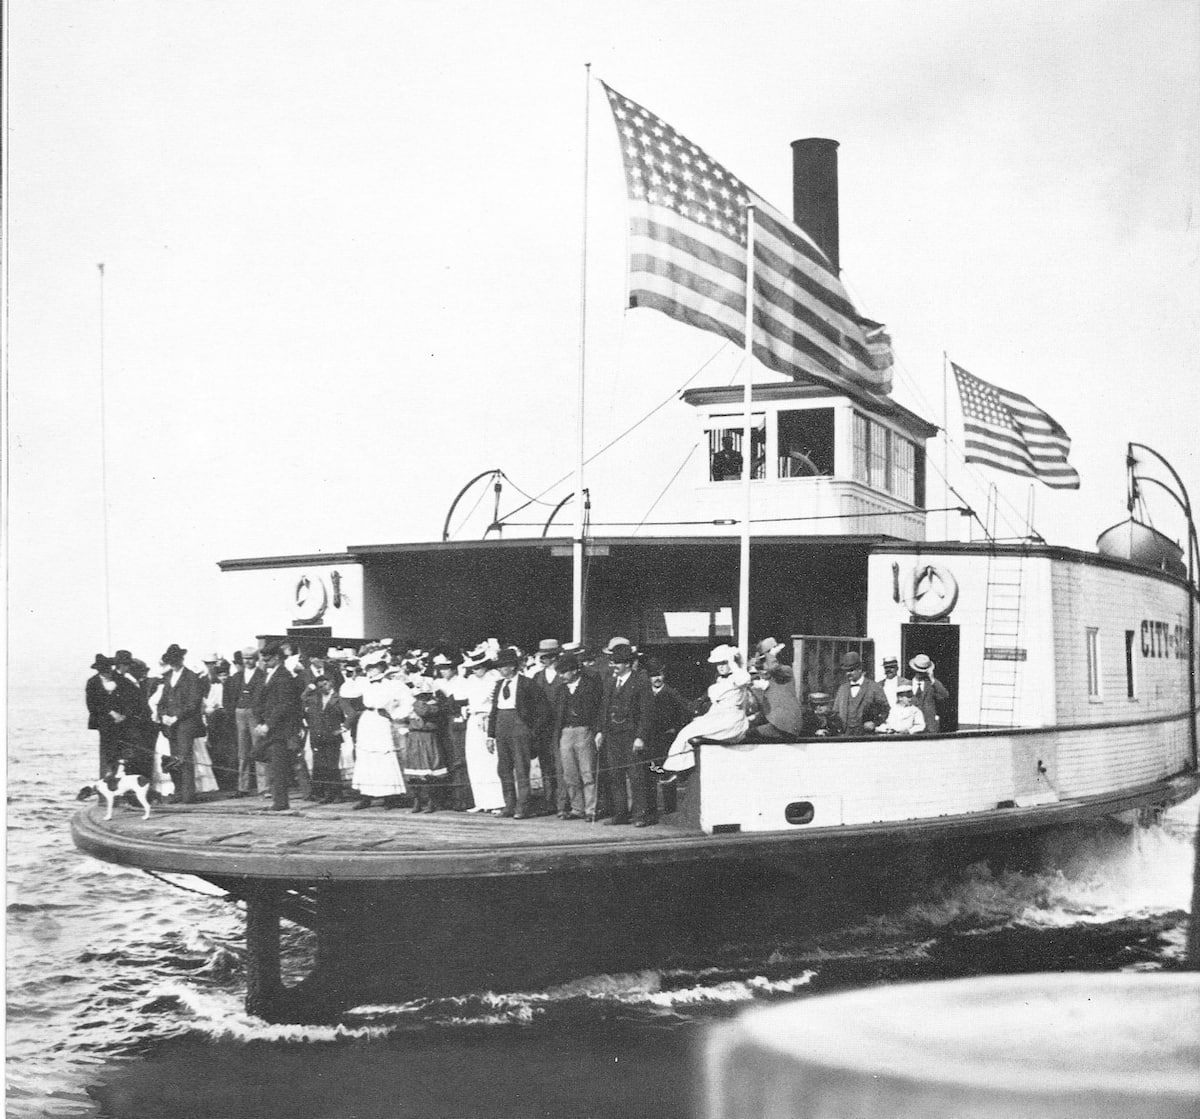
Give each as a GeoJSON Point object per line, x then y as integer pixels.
{"type": "Point", "coordinates": [263, 600]}
{"type": "Point", "coordinates": [1035, 702]}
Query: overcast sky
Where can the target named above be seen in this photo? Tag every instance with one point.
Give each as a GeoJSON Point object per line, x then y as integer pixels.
{"type": "Point", "coordinates": [342, 250]}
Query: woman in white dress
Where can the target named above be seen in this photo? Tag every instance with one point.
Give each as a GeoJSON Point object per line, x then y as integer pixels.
{"type": "Point", "coordinates": [725, 719]}
{"type": "Point", "coordinates": [386, 700]}
{"type": "Point", "coordinates": [480, 689]}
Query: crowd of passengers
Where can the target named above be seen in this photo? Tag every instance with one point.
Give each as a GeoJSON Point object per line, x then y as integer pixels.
{"type": "Point", "coordinates": [601, 733]}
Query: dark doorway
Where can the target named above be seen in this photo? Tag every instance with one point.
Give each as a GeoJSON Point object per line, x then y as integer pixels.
{"type": "Point", "coordinates": [940, 644]}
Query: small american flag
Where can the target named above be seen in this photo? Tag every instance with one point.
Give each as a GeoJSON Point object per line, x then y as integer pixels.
{"type": "Point", "coordinates": [1008, 431]}
{"type": "Point", "coordinates": [688, 259]}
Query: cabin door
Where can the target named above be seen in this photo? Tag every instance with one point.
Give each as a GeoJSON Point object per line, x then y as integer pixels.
{"type": "Point", "coordinates": [940, 644]}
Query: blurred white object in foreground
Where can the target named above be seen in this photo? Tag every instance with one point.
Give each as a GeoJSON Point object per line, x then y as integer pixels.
{"type": "Point", "coordinates": [1044, 1046]}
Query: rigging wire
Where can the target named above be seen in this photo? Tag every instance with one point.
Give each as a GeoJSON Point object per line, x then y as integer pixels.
{"type": "Point", "coordinates": [614, 441]}
{"type": "Point", "coordinates": [670, 483]}
{"type": "Point", "coordinates": [483, 492]}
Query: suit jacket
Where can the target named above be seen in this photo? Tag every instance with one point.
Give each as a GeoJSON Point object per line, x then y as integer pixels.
{"type": "Point", "coordinates": [869, 706]}
{"type": "Point", "coordinates": [185, 701]}
{"type": "Point", "coordinates": [669, 713]}
{"type": "Point", "coordinates": [933, 695]}
{"type": "Point", "coordinates": [533, 708]}
{"type": "Point", "coordinates": [234, 685]}
{"type": "Point", "coordinates": [583, 708]}
{"type": "Point", "coordinates": [325, 721]}
{"type": "Point", "coordinates": [278, 707]}
{"type": "Point", "coordinates": [628, 710]}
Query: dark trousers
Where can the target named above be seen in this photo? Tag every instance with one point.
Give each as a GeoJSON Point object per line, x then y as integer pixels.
{"type": "Point", "coordinates": [514, 745]}
{"type": "Point", "coordinates": [458, 784]}
{"type": "Point", "coordinates": [326, 774]}
{"type": "Point", "coordinates": [628, 777]}
{"type": "Point", "coordinates": [110, 746]}
{"type": "Point", "coordinates": [182, 742]}
{"type": "Point", "coordinates": [554, 791]}
{"type": "Point", "coordinates": [280, 756]}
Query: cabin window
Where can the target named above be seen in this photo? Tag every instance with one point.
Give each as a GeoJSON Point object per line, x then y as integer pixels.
{"type": "Point", "coordinates": [725, 434]}
{"type": "Point", "coordinates": [1093, 663]}
{"type": "Point", "coordinates": [805, 442]}
{"type": "Point", "coordinates": [887, 461]}
{"type": "Point", "coordinates": [1130, 661]}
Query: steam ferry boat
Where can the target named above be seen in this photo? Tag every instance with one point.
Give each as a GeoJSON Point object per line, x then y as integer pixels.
{"type": "Point", "coordinates": [1071, 675]}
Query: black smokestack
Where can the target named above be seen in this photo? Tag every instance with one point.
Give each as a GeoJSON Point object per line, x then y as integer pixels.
{"type": "Point", "coordinates": [815, 193]}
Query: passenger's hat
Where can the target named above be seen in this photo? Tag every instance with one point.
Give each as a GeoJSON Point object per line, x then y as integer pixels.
{"type": "Point", "coordinates": [212, 658]}
{"type": "Point", "coordinates": [573, 647]}
{"type": "Point", "coordinates": [122, 656]}
{"type": "Point", "coordinates": [568, 662]}
{"type": "Point", "coordinates": [818, 699]}
{"type": "Point", "coordinates": [376, 658]}
{"type": "Point", "coordinates": [722, 654]}
{"type": "Point", "coordinates": [440, 660]}
{"type": "Point", "coordinates": [549, 645]}
{"type": "Point", "coordinates": [271, 649]}
{"type": "Point", "coordinates": [767, 645]}
{"type": "Point", "coordinates": [174, 652]}
{"type": "Point", "coordinates": [892, 661]}
{"type": "Point", "coordinates": [904, 688]}
{"type": "Point", "coordinates": [508, 657]}
{"type": "Point", "coordinates": [620, 654]}
{"type": "Point", "coordinates": [250, 651]}
{"type": "Point", "coordinates": [614, 642]}
{"type": "Point", "coordinates": [475, 659]}
{"type": "Point", "coordinates": [102, 663]}
{"type": "Point", "coordinates": [921, 663]}
{"type": "Point", "coordinates": [655, 667]}
{"type": "Point", "coordinates": [851, 660]}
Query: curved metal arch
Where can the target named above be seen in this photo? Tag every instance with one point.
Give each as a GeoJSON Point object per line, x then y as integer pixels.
{"type": "Point", "coordinates": [494, 472]}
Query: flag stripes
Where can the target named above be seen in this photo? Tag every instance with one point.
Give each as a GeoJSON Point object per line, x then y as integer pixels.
{"type": "Point", "coordinates": [1007, 431]}
{"type": "Point", "coordinates": [687, 253]}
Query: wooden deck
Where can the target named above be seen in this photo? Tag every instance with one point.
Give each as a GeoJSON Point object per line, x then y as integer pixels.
{"type": "Point", "coordinates": [314, 843]}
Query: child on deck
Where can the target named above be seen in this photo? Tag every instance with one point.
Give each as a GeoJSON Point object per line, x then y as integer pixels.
{"type": "Point", "coordinates": [903, 718]}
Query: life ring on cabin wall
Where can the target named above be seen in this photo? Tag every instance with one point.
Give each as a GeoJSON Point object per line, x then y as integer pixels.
{"type": "Point", "coordinates": [311, 599]}
{"type": "Point", "coordinates": [930, 590]}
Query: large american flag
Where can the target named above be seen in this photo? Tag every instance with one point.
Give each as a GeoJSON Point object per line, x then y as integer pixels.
{"type": "Point", "coordinates": [688, 259]}
{"type": "Point", "coordinates": [1008, 431]}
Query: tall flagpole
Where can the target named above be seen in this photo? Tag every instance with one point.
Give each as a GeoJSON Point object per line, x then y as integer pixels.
{"type": "Point", "coordinates": [104, 472]}
{"type": "Point", "coordinates": [946, 443]}
{"type": "Point", "coordinates": [577, 543]}
{"type": "Point", "coordinates": [747, 449]}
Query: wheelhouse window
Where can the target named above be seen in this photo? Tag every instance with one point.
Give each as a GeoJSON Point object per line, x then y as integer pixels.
{"type": "Point", "coordinates": [725, 452]}
{"type": "Point", "coordinates": [1093, 663]}
{"type": "Point", "coordinates": [805, 442]}
{"type": "Point", "coordinates": [887, 461]}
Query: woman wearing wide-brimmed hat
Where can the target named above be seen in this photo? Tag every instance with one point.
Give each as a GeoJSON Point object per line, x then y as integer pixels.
{"type": "Point", "coordinates": [385, 701]}
{"type": "Point", "coordinates": [480, 686]}
{"type": "Point", "coordinates": [726, 718]}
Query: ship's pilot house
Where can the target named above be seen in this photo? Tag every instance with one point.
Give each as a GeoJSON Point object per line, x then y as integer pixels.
{"type": "Point", "coordinates": [821, 463]}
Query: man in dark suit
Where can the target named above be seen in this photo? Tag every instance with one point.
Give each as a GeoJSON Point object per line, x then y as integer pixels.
{"type": "Point", "coordinates": [860, 703]}
{"type": "Point", "coordinates": [278, 719]}
{"type": "Point", "coordinates": [326, 720]}
{"type": "Point", "coordinates": [577, 702]}
{"type": "Point", "coordinates": [520, 713]}
{"type": "Point", "coordinates": [548, 678]}
{"type": "Point", "coordinates": [180, 713]}
{"type": "Point", "coordinates": [96, 695]}
{"type": "Point", "coordinates": [625, 728]}
{"type": "Point", "coordinates": [669, 713]}
{"type": "Point", "coordinates": [929, 694]}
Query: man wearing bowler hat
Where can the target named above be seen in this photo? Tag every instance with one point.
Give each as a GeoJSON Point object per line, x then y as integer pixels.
{"type": "Point", "coordinates": [860, 703]}
{"type": "Point", "coordinates": [279, 721]}
{"type": "Point", "coordinates": [180, 712]}
{"type": "Point", "coordinates": [625, 722]}
{"type": "Point", "coordinates": [548, 678]}
{"type": "Point", "coordinates": [519, 714]}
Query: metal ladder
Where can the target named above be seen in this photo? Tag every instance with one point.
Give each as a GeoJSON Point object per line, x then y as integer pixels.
{"type": "Point", "coordinates": [1001, 640]}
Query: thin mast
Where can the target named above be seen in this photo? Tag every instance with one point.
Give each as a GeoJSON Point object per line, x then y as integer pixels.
{"type": "Point", "coordinates": [747, 449]}
{"type": "Point", "coordinates": [577, 542]}
{"type": "Point", "coordinates": [104, 472]}
{"type": "Point", "coordinates": [946, 443]}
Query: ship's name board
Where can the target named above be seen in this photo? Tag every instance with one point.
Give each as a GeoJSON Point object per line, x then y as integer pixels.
{"type": "Point", "coordinates": [1161, 639]}
{"type": "Point", "coordinates": [1004, 653]}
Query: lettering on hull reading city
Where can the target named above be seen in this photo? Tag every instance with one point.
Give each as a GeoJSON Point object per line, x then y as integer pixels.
{"type": "Point", "coordinates": [1161, 639]}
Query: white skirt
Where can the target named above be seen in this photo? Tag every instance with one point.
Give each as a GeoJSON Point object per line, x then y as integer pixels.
{"type": "Point", "coordinates": [727, 724]}
{"type": "Point", "coordinates": [481, 765]}
{"type": "Point", "coordinates": [376, 770]}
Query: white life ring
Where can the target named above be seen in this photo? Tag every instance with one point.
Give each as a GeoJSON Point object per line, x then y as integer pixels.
{"type": "Point", "coordinates": [311, 599]}
{"type": "Point", "coordinates": [930, 592]}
